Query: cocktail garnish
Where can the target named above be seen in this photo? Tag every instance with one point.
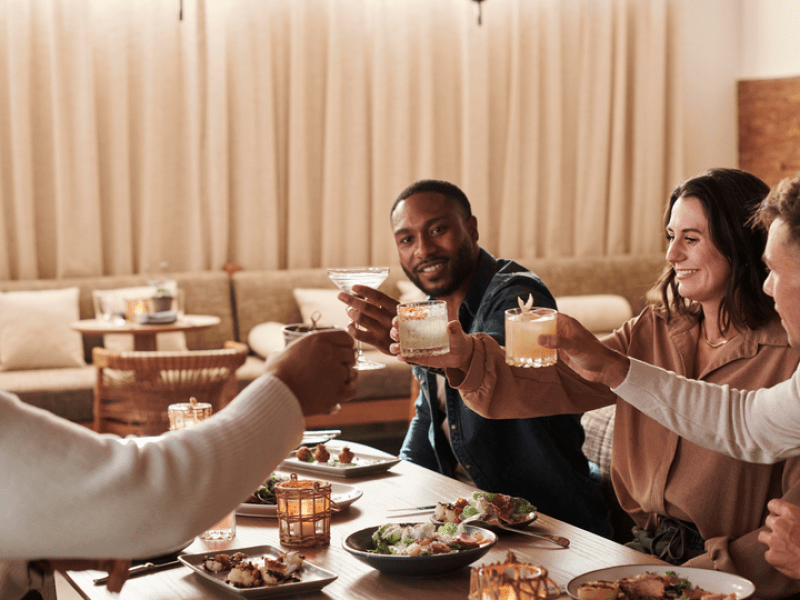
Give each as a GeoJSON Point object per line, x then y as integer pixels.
{"type": "Point", "coordinates": [527, 305]}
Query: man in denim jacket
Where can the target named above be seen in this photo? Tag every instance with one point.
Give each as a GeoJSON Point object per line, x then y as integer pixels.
{"type": "Point", "coordinates": [537, 459]}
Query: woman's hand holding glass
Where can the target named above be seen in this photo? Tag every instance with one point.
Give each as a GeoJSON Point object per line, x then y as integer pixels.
{"type": "Point", "coordinates": [582, 352]}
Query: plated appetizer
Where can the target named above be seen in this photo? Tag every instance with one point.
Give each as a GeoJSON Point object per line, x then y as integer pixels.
{"type": "Point", "coordinates": [322, 455]}
{"type": "Point", "coordinates": [249, 573]}
{"type": "Point", "coordinates": [484, 504]}
{"type": "Point", "coordinates": [647, 586]}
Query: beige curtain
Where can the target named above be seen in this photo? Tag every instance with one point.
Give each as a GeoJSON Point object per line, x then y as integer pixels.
{"type": "Point", "coordinates": [277, 133]}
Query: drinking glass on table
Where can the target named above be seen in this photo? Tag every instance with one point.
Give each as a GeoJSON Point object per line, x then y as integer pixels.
{"type": "Point", "coordinates": [345, 279]}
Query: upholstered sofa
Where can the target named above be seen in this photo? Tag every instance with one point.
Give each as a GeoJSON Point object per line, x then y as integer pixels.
{"type": "Point", "coordinates": [252, 306]}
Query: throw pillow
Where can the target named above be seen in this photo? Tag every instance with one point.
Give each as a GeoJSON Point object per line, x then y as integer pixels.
{"type": "Point", "coordinates": [331, 311]}
{"type": "Point", "coordinates": [599, 313]}
{"type": "Point", "coordinates": [325, 302]}
{"type": "Point", "coordinates": [266, 338]}
{"type": "Point", "coordinates": [36, 332]}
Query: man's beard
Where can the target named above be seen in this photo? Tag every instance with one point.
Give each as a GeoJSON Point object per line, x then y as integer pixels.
{"type": "Point", "coordinates": [460, 268]}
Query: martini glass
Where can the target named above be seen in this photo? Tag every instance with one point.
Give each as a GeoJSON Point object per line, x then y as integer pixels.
{"type": "Point", "coordinates": [345, 279]}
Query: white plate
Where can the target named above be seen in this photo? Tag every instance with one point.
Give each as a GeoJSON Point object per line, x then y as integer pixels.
{"type": "Point", "coordinates": [312, 577]}
{"type": "Point", "coordinates": [716, 582]}
{"type": "Point", "coordinates": [367, 461]}
{"type": "Point", "coordinates": [343, 495]}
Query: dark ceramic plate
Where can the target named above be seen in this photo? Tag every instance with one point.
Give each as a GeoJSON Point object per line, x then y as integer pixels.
{"type": "Point", "coordinates": [360, 543]}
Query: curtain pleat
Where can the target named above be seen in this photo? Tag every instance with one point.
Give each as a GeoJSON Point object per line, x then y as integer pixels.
{"type": "Point", "coordinates": [277, 134]}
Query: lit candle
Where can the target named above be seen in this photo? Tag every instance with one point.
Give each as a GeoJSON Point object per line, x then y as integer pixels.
{"type": "Point", "coordinates": [136, 308]}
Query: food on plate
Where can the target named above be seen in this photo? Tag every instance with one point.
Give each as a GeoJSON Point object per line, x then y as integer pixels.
{"type": "Point", "coordinates": [647, 586]}
{"type": "Point", "coordinates": [598, 590]}
{"type": "Point", "coordinates": [223, 562]}
{"type": "Point", "coordinates": [321, 453]}
{"type": "Point", "coordinates": [424, 539]}
{"type": "Point", "coordinates": [508, 508]}
{"type": "Point", "coordinates": [346, 455]}
{"type": "Point", "coordinates": [304, 453]}
{"type": "Point", "coordinates": [249, 573]}
{"type": "Point", "coordinates": [266, 493]}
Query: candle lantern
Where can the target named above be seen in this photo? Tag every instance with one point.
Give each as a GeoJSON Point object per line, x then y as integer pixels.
{"type": "Point", "coordinates": [137, 308]}
{"type": "Point", "coordinates": [187, 414]}
{"type": "Point", "coordinates": [304, 512]}
{"type": "Point", "coordinates": [511, 580]}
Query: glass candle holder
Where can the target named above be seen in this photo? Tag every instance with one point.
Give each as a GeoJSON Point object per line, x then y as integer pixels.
{"type": "Point", "coordinates": [185, 415]}
{"type": "Point", "coordinates": [304, 512]}
{"type": "Point", "coordinates": [136, 308]}
{"type": "Point", "coordinates": [511, 580]}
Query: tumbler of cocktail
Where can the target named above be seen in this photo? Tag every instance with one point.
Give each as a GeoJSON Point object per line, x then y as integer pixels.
{"type": "Point", "coordinates": [523, 328]}
{"type": "Point", "coordinates": [423, 328]}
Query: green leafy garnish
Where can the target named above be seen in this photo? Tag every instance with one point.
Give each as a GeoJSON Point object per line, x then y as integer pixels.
{"type": "Point", "coordinates": [448, 529]}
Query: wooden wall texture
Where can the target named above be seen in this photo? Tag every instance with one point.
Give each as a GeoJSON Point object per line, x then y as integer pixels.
{"type": "Point", "coordinates": [769, 127]}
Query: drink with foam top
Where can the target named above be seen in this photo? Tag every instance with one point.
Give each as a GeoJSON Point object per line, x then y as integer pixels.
{"type": "Point", "coordinates": [423, 328]}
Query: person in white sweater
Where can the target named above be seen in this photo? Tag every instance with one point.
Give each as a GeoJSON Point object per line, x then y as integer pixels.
{"type": "Point", "coordinates": [758, 426]}
{"type": "Point", "coordinates": [69, 493]}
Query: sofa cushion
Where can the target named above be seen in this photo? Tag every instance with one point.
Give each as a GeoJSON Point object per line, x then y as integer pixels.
{"type": "Point", "coordinates": [599, 313]}
{"type": "Point", "coordinates": [392, 382]}
{"type": "Point", "coordinates": [266, 338]}
{"type": "Point", "coordinates": [598, 426]}
{"type": "Point", "coordinates": [69, 393]}
{"type": "Point", "coordinates": [36, 330]}
{"type": "Point", "coordinates": [323, 301]}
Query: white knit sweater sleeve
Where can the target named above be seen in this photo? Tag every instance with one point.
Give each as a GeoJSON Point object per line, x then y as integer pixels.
{"type": "Point", "coordinates": [759, 426]}
{"type": "Point", "coordinates": [68, 492]}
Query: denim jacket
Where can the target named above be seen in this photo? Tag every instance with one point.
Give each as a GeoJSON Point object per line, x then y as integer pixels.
{"type": "Point", "coordinates": [539, 459]}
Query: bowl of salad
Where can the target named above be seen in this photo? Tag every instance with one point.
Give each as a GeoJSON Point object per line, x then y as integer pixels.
{"type": "Point", "coordinates": [420, 548]}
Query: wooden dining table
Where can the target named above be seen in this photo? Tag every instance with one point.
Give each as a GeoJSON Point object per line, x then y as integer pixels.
{"type": "Point", "coordinates": [404, 485]}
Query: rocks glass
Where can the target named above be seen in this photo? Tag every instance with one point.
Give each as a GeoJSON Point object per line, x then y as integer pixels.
{"type": "Point", "coordinates": [423, 328]}
{"type": "Point", "coordinates": [523, 328]}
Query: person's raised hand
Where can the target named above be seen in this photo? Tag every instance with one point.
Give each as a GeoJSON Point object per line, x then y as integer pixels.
{"type": "Point", "coordinates": [581, 351]}
{"type": "Point", "coordinates": [318, 368]}
{"type": "Point", "coordinates": [782, 536]}
{"type": "Point", "coordinates": [373, 310]}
